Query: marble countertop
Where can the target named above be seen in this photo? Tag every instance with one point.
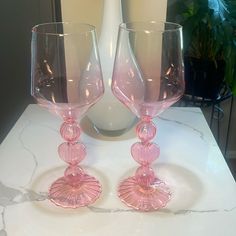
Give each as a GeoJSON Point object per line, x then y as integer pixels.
{"type": "Point", "coordinates": [203, 189]}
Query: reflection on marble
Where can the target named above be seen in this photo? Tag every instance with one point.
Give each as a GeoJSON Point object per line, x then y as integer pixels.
{"type": "Point", "coordinates": [203, 190]}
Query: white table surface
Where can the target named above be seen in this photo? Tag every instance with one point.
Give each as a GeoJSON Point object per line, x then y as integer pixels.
{"type": "Point", "coordinates": [203, 189]}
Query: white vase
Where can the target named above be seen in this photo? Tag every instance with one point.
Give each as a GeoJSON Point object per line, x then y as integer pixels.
{"type": "Point", "coordinates": [110, 116]}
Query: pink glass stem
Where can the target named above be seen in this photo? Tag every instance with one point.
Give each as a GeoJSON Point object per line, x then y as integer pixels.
{"type": "Point", "coordinates": [144, 191]}
{"type": "Point", "coordinates": [71, 151]}
{"type": "Point", "coordinates": [145, 152]}
{"type": "Point", "coordinates": [76, 188]}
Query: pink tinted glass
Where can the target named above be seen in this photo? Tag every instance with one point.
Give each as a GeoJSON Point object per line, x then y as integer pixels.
{"type": "Point", "coordinates": [147, 78]}
{"type": "Point", "coordinates": [67, 80]}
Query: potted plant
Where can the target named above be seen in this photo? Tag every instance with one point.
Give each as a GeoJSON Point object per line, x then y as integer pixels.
{"type": "Point", "coordinates": [209, 34]}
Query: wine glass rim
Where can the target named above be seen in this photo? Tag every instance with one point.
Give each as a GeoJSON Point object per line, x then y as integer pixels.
{"type": "Point", "coordinates": [176, 26]}
{"type": "Point", "coordinates": [90, 28]}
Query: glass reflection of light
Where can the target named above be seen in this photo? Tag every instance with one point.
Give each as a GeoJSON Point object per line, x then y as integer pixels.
{"type": "Point", "coordinates": [87, 93]}
{"type": "Point", "coordinates": [111, 49]}
{"type": "Point", "coordinates": [48, 67]}
{"type": "Point", "coordinates": [168, 71]}
{"type": "Point", "coordinates": [88, 66]}
{"type": "Point", "coordinates": [131, 73]}
{"type": "Point", "coordinates": [132, 97]}
{"type": "Point", "coordinates": [53, 98]}
{"type": "Point", "coordinates": [165, 95]}
{"type": "Point", "coordinates": [109, 81]}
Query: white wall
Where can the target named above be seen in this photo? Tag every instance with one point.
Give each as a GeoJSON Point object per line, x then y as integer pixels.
{"type": "Point", "coordinates": [85, 11]}
{"type": "Point", "coordinates": [91, 11]}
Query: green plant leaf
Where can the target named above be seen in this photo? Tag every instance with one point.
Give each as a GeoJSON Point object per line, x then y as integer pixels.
{"type": "Point", "coordinates": [209, 31]}
{"type": "Point", "coordinates": [220, 8]}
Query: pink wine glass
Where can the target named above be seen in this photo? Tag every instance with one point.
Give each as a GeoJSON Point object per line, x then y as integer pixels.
{"type": "Point", "coordinates": [147, 78]}
{"type": "Point", "coordinates": [66, 79]}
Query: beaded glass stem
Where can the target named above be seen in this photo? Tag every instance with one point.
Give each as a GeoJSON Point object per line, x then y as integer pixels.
{"type": "Point", "coordinates": [144, 184]}
{"type": "Point", "coordinates": [75, 188]}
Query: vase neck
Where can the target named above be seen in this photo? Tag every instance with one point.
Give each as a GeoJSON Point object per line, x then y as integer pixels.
{"type": "Point", "coordinates": [112, 15]}
{"type": "Point", "coordinates": [108, 36]}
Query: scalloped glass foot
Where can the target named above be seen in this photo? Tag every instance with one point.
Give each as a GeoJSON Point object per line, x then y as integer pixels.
{"type": "Point", "coordinates": [144, 198]}
{"type": "Point", "coordinates": [75, 194]}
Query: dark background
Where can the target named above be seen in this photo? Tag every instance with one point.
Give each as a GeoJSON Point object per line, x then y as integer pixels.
{"type": "Point", "coordinates": [16, 20]}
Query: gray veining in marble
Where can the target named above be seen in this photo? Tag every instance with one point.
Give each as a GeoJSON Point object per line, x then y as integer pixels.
{"type": "Point", "coordinates": [20, 137]}
{"type": "Point", "coordinates": [3, 230]}
{"type": "Point", "coordinates": [183, 124]}
{"type": "Point", "coordinates": [10, 196]}
{"type": "Point", "coordinates": [165, 211]}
